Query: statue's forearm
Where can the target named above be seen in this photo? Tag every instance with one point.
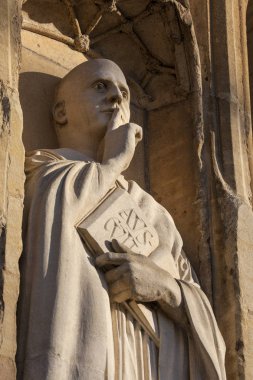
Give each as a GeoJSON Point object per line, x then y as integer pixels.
{"type": "Point", "coordinates": [109, 172]}
{"type": "Point", "coordinates": [119, 145]}
{"type": "Point", "coordinates": [114, 167]}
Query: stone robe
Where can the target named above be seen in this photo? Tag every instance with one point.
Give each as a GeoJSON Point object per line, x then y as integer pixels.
{"type": "Point", "coordinates": [66, 325]}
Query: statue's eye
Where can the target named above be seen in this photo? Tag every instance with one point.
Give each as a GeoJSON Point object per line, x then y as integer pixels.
{"type": "Point", "coordinates": [100, 86]}
{"type": "Point", "coordinates": [124, 94]}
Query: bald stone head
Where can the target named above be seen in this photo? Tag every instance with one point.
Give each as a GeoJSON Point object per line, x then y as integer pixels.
{"type": "Point", "coordinates": [84, 103]}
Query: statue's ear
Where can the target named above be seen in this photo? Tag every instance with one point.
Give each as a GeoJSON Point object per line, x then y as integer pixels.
{"type": "Point", "coordinates": [59, 113]}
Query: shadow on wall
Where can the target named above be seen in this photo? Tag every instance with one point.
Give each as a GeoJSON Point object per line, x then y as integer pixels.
{"type": "Point", "coordinates": [36, 97]}
{"type": "Point", "coordinates": [49, 11]}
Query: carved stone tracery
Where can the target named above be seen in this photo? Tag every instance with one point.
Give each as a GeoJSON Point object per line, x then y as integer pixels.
{"type": "Point", "coordinates": [91, 25]}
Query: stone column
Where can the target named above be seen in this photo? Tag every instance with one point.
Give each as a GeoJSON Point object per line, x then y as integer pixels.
{"type": "Point", "coordinates": [250, 47]}
{"type": "Point", "coordinates": [11, 182]}
{"type": "Point", "coordinates": [221, 34]}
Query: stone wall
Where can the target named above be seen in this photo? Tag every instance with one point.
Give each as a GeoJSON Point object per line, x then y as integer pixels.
{"type": "Point", "coordinates": [11, 182]}
{"type": "Point", "coordinates": [221, 33]}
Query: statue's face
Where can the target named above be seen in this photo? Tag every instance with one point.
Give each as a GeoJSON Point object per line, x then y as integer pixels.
{"type": "Point", "coordinates": [96, 90]}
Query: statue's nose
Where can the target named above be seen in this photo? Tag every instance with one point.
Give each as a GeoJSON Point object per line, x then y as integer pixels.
{"type": "Point", "coordinates": [115, 95]}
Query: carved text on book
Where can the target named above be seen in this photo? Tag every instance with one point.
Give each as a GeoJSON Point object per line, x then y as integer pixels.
{"type": "Point", "coordinates": [130, 230]}
{"type": "Point", "coordinates": [119, 218]}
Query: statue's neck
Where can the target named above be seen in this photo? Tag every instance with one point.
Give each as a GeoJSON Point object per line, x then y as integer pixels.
{"type": "Point", "coordinates": [81, 140]}
{"type": "Point", "coordinates": [90, 154]}
{"type": "Point", "coordinates": [84, 144]}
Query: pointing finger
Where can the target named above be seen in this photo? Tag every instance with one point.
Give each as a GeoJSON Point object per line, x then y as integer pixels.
{"type": "Point", "coordinates": [121, 247]}
{"type": "Point", "coordinates": [115, 121]}
{"type": "Point", "coordinates": [111, 258]}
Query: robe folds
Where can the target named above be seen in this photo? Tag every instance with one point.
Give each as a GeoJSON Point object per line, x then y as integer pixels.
{"type": "Point", "coordinates": [67, 328]}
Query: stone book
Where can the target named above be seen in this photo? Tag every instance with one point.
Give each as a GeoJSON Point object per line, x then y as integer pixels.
{"type": "Point", "coordinates": [118, 219]}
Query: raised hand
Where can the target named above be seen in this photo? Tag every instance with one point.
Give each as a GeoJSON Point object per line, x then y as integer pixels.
{"type": "Point", "coordinates": [120, 140]}
{"type": "Point", "coordinates": [117, 120]}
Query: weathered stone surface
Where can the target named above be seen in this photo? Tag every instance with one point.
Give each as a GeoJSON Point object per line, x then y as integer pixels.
{"type": "Point", "coordinates": [221, 33]}
{"type": "Point", "coordinates": [11, 182]}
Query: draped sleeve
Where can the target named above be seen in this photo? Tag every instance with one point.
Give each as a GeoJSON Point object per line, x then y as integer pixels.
{"type": "Point", "coordinates": [64, 317]}
{"type": "Point", "coordinates": [80, 181]}
{"type": "Point", "coordinates": [206, 348]}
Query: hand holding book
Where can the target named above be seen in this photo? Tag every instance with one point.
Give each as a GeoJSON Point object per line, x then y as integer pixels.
{"type": "Point", "coordinates": [129, 282]}
{"type": "Point", "coordinates": [119, 224]}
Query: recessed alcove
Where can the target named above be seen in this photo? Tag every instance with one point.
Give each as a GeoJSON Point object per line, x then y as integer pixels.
{"type": "Point", "coordinates": [149, 43]}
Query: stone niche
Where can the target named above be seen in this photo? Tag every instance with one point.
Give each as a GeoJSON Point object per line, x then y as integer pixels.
{"type": "Point", "coordinates": [154, 45]}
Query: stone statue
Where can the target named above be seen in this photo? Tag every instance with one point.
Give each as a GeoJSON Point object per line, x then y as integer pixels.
{"type": "Point", "coordinates": [73, 316]}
